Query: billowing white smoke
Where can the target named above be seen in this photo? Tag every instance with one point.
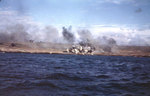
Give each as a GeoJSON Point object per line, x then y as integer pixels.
{"type": "Point", "coordinates": [123, 35]}
{"type": "Point", "coordinates": [12, 27]}
{"type": "Point", "coordinates": [20, 28]}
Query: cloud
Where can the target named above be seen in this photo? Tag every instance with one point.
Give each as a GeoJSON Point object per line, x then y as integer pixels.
{"type": "Point", "coordinates": [12, 17]}
{"type": "Point", "coordinates": [134, 2]}
{"type": "Point", "coordinates": [115, 1]}
{"type": "Point", "coordinates": [119, 1]}
{"type": "Point", "coordinates": [12, 23]}
{"type": "Point", "coordinates": [122, 34]}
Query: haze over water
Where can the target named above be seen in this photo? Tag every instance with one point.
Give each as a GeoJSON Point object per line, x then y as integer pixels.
{"type": "Point", "coordinates": [23, 74]}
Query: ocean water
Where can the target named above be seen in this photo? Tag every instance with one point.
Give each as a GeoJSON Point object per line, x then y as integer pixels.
{"type": "Point", "coordinates": [23, 74]}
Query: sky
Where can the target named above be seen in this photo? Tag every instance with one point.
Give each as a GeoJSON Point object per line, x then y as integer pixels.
{"type": "Point", "coordinates": [84, 12]}
{"type": "Point", "coordinates": [99, 16]}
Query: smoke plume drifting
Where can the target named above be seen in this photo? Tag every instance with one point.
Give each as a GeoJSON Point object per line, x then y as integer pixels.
{"type": "Point", "coordinates": [14, 33]}
{"type": "Point", "coordinates": [68, 36]}
{"type": "Point", "coordinates": [20, 28]}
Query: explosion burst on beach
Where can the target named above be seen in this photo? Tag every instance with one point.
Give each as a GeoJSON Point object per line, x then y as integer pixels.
{"type": "Point", "coordinates": [28, 36]}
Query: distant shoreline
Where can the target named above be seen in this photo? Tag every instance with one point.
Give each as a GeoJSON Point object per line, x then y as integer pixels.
{"type": "Point", "coordinates": [98, 54]}
{"type": "Point", "coordinates": [135, 51]}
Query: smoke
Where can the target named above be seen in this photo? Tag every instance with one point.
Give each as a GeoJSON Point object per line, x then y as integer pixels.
{"type": "Point", "coordinates": [104, 40]}
{"type": "Point", "coordinates": [104, 43]}
{"type": "Point", "coordinates": [50, 34]}
{"type": "Point", "coordinates": [108, 44]}
{"type": "Point", "coordinates": [20, 28]}
{"type": "Point", "coordinates": [85, 35]}
{"type": "Point", "coordinates": [16, 27]}
{"type": "Point", "coordinates": [14, 33]}
{"type": "Point", "coordinates": [13, 27]}
{"type": "Point", "coordinates": [68, 35]}
{"type": "Point", "coordinates": [123, 35]}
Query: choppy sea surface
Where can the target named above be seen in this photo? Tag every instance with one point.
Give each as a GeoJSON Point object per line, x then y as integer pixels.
{"type": "Point", "coordinates": [23, 74]}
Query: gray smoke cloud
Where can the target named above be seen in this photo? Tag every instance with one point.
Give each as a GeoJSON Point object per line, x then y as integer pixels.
{"type": "Point", "coordinates": [101, 43]}
{"type": "Point", "coordinates": [20, 28]}
{"type": "Point", "coordinates": [85, 37]}
{"type": "Point", "coordinates": [104, 40]}
{"type": "Point", "coordinates": [107, 44]}
{"type": "Point", "coordinates": [68, 35]}
{"type": "Point", "coordinates": [50, 34]}
{"type": "Point", "coordinates": [14, 33]}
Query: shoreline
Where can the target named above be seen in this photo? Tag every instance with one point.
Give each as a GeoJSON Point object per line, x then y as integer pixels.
{"type": "Point", "coordinates": [37, 48]}
{"type": "Point", "coordinates": [64, 53]}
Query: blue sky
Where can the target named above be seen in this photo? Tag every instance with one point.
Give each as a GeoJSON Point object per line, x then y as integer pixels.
{"type": "Point", "coordinates": [84, 12]}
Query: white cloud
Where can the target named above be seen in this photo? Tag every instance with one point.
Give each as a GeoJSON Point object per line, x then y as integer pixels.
{"type": "Point", "coordinates": [10, 22]}
{"type": "Point", "coordinates": [122, 34]}
{"type": "Point", "coordinates": [12, 17]}
{"type": "Point", "coordinates": [134, 2]}
{"type": "Point", "coordinates": [119, 1]}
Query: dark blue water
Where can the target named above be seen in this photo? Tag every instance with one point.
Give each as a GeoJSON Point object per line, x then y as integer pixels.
{"type": "Point", "coordinates": [73, 75]}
